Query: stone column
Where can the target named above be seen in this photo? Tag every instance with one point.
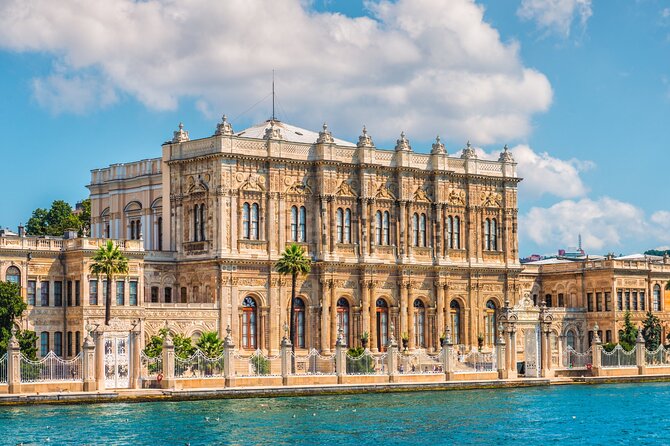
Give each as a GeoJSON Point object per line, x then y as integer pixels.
{"type": "Point", "coordinates": [340, 358]}
{"type": "Point", "coordinates": [440, 306]}
{"type": "Point", "coordinates": [168, 363]}
{"type": "Point", "coordinates": [640, 353]}
{"type": "Point", "coordinates": [411, 320]}
{"type": "Point", "coordinates": [134, 359]}
{"type": "Point", "coordinates": [547, 371]}
{"type": "Point", "coordinates": [596, 353]}
{"type": "Point", "coordinates": [404, 290]}
{"type": "Point", "coordinates": [365, 312]}
{"type": "Point", "coordinates": [228, 366]}
{"type": "Point", "coordinates": [447, 355]}
{"type": "Point", "coordinates": [271, 225]}
{"type": "Point", "coordinates": [364, 227]}
{"type": "Point", "coordinates": [402, 241]}
{"type": "Point", "coordinates": [100, 360]}
{"type": "Point", "coordinates": [511, 348]}
{"type": "Point", "coordinates": [392, 357]}
{"type": "Point", "coordinates": [285, 360]}
{"type": "Point", "coordinates": [501, 365]}
{"type": "Point", "coordinates": [332, 226]}
{"type": "Point", "coordinates": [13, 364]}
{"type": "Point", "coordinates": [333, 318]}
{"type": "Point", "coordinates": [88, 364]}
{"type": "Point", "coordinates": [327, 286]}
{"type": "Point", "coordinates": [373, 316]}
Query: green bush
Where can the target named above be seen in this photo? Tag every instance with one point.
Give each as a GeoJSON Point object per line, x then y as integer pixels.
{"type": "Point", "coordinates": [359, 366]}
{"type": "Point", "coordinates": [260, 364]}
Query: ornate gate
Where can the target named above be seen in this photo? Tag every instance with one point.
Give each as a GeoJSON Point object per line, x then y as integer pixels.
{"type": "Point", "coordinates": [531, 351]}
{"type": "Point", "coordinates": [117, 363]}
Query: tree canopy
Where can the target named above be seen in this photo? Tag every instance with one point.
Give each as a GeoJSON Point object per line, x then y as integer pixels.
{"type": "Point", "coordinates": [59, 218]}
{"type": "Point", "coordinates": [628, 335]}
{"type": "Point", "coordinates": [183, 347]}
{"type": "Point", "coordinates": [651, 331]}
{"type": "Point", "coordinates": [109, 261]}
{"type": "Point", "coordinates": [210, 344]}
{"type": "Point", "coordinates": [12, 307]}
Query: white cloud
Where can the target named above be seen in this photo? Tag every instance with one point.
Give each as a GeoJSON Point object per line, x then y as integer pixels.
{"type": "Point", "coordinates": [423, 66]}
{"type": "Point", "coordinates": [556, 15]}
{"type": "Point", "coordinates": [60, 92]}
{"type": "Point", "coordinates": [544, 174]}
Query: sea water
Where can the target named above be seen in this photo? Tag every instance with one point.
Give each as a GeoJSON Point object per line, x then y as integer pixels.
{"type": "Point", "coordinates": [575, 414]}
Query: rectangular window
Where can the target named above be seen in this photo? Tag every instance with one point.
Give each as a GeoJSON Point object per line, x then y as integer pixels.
{"type": "Point", "coordinates": [608, 336]}
{"type": "Point", "coordinates": [31, 292]}
{"type": "Point", "coordinates": [589, 302]}
{"type": "Point", "coordinates": [590, 337]}
{"type": "Point", "coordinates": [634, 300]}
{"type": "Point", "coordinates": [120, 298]}
{"type": "Point", "coordinates": [44, 343]}
{"type": "Point", "coordinates": [599, 301]}
{"type": "Point", "coordinates": [77, 342]}
{"type": "Point", "coordinates": [44, 288]}
{"type": "Point", "coordinates": [183, 295]}
{"type": "Point", "coordinates": [69, 343]}
{"type": "Point", "coordinates": [627, 300]}
{"type": "Point", "coordinates": [619, 300]}
{"type": "Point", "coordinates": [104, 291]}
{"type": "Point", "coordinates": [58, 294]}
{"type": "Point", "coordinates": [77, 293]}
{"type": "Point", "coordinates": [642, 302]}
{"type": "Point", "coordinates": [93, 292]}
{"type": "Point", "coordinates": [608, 301]}
{"type": "Point", "coordinates": [561, 302]}
{"type": "Point", "coordinates": [154, 294]}
{"type": "Point", "coordinates": [132, 292]}
{"type": "Point", "coordinates": [168, 294]}
{"type": "Point", "coordinates": [69, 293]}
{"type": "Point", "coordinates": [58, 343]}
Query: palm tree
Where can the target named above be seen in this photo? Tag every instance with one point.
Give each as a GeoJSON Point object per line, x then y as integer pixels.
{"type": "Point", "coordinates": [294, 262]}
{"type": "Point", "coordinates": [210, 344]}
{"type": "Point", "coordinates": [110, 262]}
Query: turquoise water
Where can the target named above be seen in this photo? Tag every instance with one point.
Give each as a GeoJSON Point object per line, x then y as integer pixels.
{"type": "Point", "coordinates": [608, 414]}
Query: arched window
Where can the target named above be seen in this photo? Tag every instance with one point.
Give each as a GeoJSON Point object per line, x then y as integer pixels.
{"type": "Point", "coordinates": [382, 324]}
{"type": "Point", "coordinates": [419, 323]}
{"type": "Point", "coordinates": [490, 322]}
{"type": "Point", "coordinates": [343, 318]}
{"type": "Point", "coordinates": [449, 228]}
{"type": "Point", "coordinates": [378, 228]}
{"type": "Point", "coordinates": [302, 225]}
{"type": "Point", "coordinates": [487, 234]}
{"type": "Point", "coordinates": [422, 235]}
{"type": "Point", "coordinates": [347, 226]}
{"type": "Point", "coordinates": [386, 226]}
{"type": "Point", "coordinates": [254, 222]}
{"type": "Point", "coordinates": [299, 321]}
{"type": "Point", "coordinates": [294, 223]}
{"type": "Point", "coordinates": [249, 323]}
{"type": "Point", "coordinates": [246, 220]}
{"type": "Point", "coordinates": [13, 275]}
{"type": "Point", "coordinates": [44, 343]}
{"type": "Point", "coordinates": [457, 233]}
{"type": "Point", "coordinates": [132, 229]}
{"type": "Point", "coordinates": [415, 229]}
{"type": "Point", "coordinates": [656, 304]}
{"type": "Point", "coordinates": [455, 310]}
{"type": "Point", "coordinates": [196, 222]}
{"type": "Point", "coordinates": [339, 221]}
{"type": "Point", "coordinates": [202, 222]}
{"type": "Point", "coordinates": [494, 234]}
{"type": "Point", "coordinates": [570, 339]}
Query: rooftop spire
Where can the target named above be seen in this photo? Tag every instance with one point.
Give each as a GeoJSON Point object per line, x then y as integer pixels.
{"type": "Point", "coordinates": [273, 94]}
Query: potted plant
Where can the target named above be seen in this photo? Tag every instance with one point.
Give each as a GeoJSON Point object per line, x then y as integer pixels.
{"type": "Point", "coordinates": [405, 340]}
{"type": "Point", "coordinates": [480, 342]}
{"type": "Point", "coordinates": [364, 339]}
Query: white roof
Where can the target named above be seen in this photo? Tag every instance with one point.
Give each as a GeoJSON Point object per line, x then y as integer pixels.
{"type": "Point", "coordinates": [639, 257]}
{"type": "Point", "coordinates": [550, 261]}
{"type": "Point", "coordinates": [289, 133]}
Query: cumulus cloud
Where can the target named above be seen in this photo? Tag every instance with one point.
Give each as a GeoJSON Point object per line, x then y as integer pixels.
{"type": "Point", "coordinates": [556, 15]}
{"type": "Point", "coordinates": [423, 66]}
{"type": "Point", "coordinates": [73, 93]}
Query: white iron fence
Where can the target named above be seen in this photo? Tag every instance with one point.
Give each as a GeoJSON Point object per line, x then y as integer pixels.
{"type": "Point", "coordinates": [366, 364]}
{"type": "Point", "coordinates": [257, 364]}
{"type": "Point", "coordinates": [419, 362]}
{"type": "Point", "coordinates": [150, 367]}
{"type": "Point", "coordinates": [314, 364]}
{"type": "Point", "coordinates": [657, 358]}
{"type": "Point", "coordinates": [51, 368]}
{"type": "Point", "coordinates": [3, 369]}
{"type": "Point", "coordinates": [199, 366]}
{"type": "Point", "coordinates": [475, 361]}
{"type": "Point", "coordinates": [572, 359]}
{"type": "Point", "coordinates": [618, 357]}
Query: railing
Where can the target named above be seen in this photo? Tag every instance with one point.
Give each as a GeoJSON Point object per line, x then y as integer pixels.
{"type": "Point", "coordinates": [366, 364]}
{"type": "Point", "coordinates": [258, 364]}
{"type": "Point", "coordinates": [575, 360]}
{"type": "Point", "coordinates": [475, 361]}
{"type": "Point", "coordinates": [199, 365]}
{"type": "Point", "coordinates": [150, 367]}
{"type": "Point", "coordinates": [618, 358]}
{"type": "Point", "coordinates": [657, 358]}
{"type": "Point", "coordinates": [3, 369]}
{"type": "Point", "coordinates": [419, 362]}
{"type": "Point", "coordinates": [51, 368]}
{"type": "Point", "coordinates": [314, 364]}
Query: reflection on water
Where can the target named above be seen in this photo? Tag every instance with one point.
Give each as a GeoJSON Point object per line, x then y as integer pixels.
{"type": "Point", "coordinates": [560, 414]}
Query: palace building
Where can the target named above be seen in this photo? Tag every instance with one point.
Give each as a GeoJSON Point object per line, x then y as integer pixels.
{"type": "Point", "coordinates": [401, 241]}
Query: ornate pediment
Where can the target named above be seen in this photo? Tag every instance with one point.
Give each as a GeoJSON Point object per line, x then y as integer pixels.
{"type": "Point", "coordinates": [198, 183]}
{"type": "Point", "coordinates": [297, 186]}
{"type": "Point", "coordinates": [346, 189]}
{"type": "Point", "coordinates": [421, 195]}
{"type": "Point", "coordinates": [456, 197]}
{"type": "Point", "coordinates": [252, 181]}
{"type": "Point", "coordinates": [383, 191]}
{"type": "Point", "coordinates": [491, 199]}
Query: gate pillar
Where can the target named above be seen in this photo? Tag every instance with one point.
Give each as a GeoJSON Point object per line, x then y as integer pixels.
{"type": "Point", "coordinates": [100, 360]}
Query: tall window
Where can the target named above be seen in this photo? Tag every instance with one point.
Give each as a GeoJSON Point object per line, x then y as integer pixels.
{"type": "Point", "coordinates": [422, 230]}
{"type": "Point", "coordinates": [548, 300]}
{"type": "Point", "coordinates": [69, 343]}
{"type": "Point", "coordinates": [294, 223]}
{"type": "Point", "coordinates": [419, 323]}
{"type": "Point", "coordinates": [627, 294]}
{"type": "Point", "coordinates": [44, 343]}
{"type": "Point", "coordinates": [619, 300]}
{"type": "Point", "coordinates": [455, 310]}
{"type": "Point", "coordinates": [160, 233]}
{"type": "Point", "coordinates": [415, 229]}
{"type": "Point", "coordinates": [69, 293]}
{"type": "Point", "coordinates": [343, 318]}
{"type": "Point", "coordinates": [154, 294]}
{"type": "Point", "coordinates": [339, 220]}
{"type": "Point", "coordinates": [298, 224]}
{"type": "Point", "coordinates": [382, 324]}
{"type": "Point", "coordinates": [135, 229]}
{"type": "Point", "coordinates": [58, 293]}
{"type": "Point", "coordinates": [196, 223]}
{"type": "Point", "coordinates": [77, 342]}
{"type": "Point", "coordinates": [608, 301]}
{"type": "Point", "coordinates": [299, 321]}
{"type": "Point", "coordinates": [570, 339]}
{"type": "Point", "coordinates": [77, 293]}
{"type": "Point", "coordinates": [589, 301]}
{"type": "Point", "coordinates": [249, 323]}
{"type": "Point", "coordinates": [490, 322]}
{"type": "Point", "coordinates": [561, 300]}
{"type": "Point", "coordinates": [347, 226]}
{"type": "Point", "coordinates": [656, 302]}
{"type": "Point", "coordinates": [642, 301]}
{"type": "Point", "coordinates": [183, 297]}
{"type": "Point", "coordinates": [120, 298]}
{"type": "Point", "coordinates": [93, 292]}
{"type": "Point", "coordinates": [132, 292]}
{"type": "Point", "coordinates": [378, 228]}
{"type": "Point", "coordinates": [58, 343]}
{"type": "Point", "coordinates": [494, 235]}
{"type": "Point", "coordinates": [250, 221]}
{"type": "Point", "coordinates": [386, 228]}
{"type": "Point", "coordinates": [456, 243]}
{"type": "Point", "coordinates": [32, 285]}
{"type": "Point", "coordinates": [44, 290]}
{"type": "Point", "coordinates": [168, 294]}
{"type": "Point", "coordinates": [449, 229]}
{"type": "Point", "coordinates": [13, 275]}
{"type": "Point", "coordinates": [202, 222]}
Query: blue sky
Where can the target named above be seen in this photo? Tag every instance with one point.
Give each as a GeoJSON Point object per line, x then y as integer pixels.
{"type": "Point", "coordinates": [580, 89]}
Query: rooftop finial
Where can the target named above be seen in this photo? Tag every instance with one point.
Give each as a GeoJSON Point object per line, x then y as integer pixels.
{"type": "Point", "coordinates": [438, 147]}
{"type": "Point", "coordinates": [325, 136]}
{"type": "Point", "coordinates": [273, 94]}
{"type": "Point", "coordinates": [365, 140]}
{"type": "Point", "coordinates": [224, 128]}
{"type": "Point", "coordinates": [180, 135]}
{"type": "Point", "coordinates": [468, 152]}
{"type": "Point", "coordinates": [506, 155]}
{"type": "Point", "coordinates": [402, 144]}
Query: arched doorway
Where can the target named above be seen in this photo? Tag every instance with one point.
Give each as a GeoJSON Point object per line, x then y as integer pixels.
{"type": "Point", "coordinates": [382, 324]}
{"type": "Point", "coordinates": [419, 324]}
{"type": "Point", "coordinates": [249, 323]}
{"type": "Point", "coordinates": [490, 323]}
{"type": "Point", "coordinates": [455, 312]}
{"type": "Point", "coordinates": [343, 318]}
{"type": "Point", "coordinates": [299, 321]}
